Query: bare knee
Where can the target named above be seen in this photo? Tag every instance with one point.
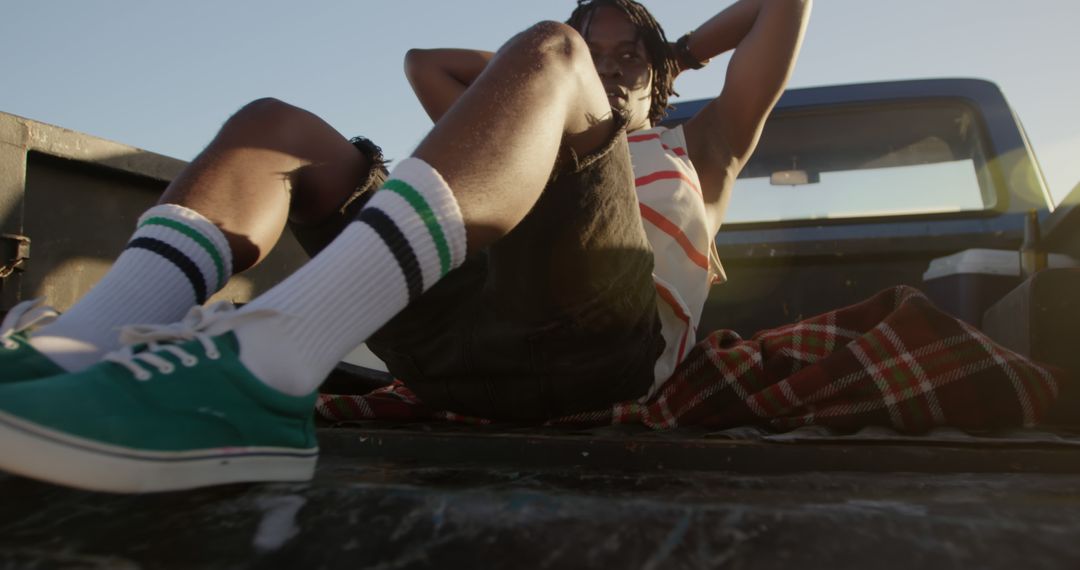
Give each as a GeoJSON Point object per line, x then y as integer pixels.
{"type": "Point", "coordinates": [550, 47]}
{"type": "Point", "coordinates": [266, 109]}
{"type": "Point", "coordinates": [561, 67]}
{"type": "Point", "coordinates": [267, 120]}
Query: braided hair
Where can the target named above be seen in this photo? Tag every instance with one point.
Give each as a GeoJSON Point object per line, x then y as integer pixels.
{"type": "Point", "coordinates": [656, 44]}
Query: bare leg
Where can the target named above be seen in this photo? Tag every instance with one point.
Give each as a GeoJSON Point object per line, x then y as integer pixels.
{"type": "Point", "coordinates": [581, 245]}
{"type": "Point", "coordinates": [268, 160]}
{"type": "Point", "coordinates": [266, 156]}
{"type": "Point", "coordinates": [496, 147]}
{"type": "Point", "coordinates": [496, 150]}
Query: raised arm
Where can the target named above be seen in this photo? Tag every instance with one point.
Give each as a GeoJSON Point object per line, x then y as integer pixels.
{"type": "Point", "coordinates": [440, 76]}
{"type": "Point", "coordinates": [766, 35]}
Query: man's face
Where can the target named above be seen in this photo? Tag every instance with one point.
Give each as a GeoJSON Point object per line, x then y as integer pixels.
{"type": "Point", "coordinates": [622, 63]}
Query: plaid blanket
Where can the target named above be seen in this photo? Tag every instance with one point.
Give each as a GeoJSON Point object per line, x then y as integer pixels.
{"type": "Point", "coordinates": [893, 360]}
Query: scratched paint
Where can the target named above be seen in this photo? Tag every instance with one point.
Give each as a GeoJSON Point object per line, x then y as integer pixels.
{"type": "Point", "coordinates": [278, 523]}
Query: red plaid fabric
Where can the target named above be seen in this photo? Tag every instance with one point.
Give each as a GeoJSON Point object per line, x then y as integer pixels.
{"type": "Point", "coordinates": [892, 360]}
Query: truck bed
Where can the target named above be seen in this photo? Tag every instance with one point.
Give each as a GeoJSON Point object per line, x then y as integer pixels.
{"type": "Point", "coordinates": [414, 495]}
{"type": "Point", "coordinates": [423, 495]}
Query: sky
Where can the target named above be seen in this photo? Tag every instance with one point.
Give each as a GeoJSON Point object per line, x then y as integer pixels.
{"type": "Point", "coordinates": [163, 76]}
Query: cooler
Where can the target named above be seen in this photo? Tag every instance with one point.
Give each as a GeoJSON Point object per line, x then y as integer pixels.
{"type": "Point", "coordinates": [966, 283]}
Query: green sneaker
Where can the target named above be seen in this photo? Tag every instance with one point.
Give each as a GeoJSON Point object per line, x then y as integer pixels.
{"type": "Point", "coordinates": [18, 360]}
{"type": "Point", "coordinates": [174, 410]}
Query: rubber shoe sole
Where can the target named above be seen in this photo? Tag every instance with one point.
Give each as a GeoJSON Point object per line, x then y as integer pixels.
{"type": "Point", "coordinates": [60, 458]}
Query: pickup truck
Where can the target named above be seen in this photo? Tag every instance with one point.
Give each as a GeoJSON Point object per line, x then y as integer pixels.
{"type": "Point", "coordinates": [854, 188]}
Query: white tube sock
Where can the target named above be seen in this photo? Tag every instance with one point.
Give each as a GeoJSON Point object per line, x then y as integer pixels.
{"type": "Point", "coordinates": [175, 259]}
{"type": "Point", "coordinates": [406, 238]}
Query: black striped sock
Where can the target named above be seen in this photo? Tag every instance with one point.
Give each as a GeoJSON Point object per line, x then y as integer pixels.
{"type": "Point", "coordinates": [406, 238]}
{"type": "Point", "coordinates": [176, 258]}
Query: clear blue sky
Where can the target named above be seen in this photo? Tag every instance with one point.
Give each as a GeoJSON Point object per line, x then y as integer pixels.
{"type": "Point", "coordinates": [162, 76]}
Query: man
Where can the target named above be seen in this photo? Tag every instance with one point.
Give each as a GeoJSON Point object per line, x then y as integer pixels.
{"type": "Point", "coordinates": [517, 266]}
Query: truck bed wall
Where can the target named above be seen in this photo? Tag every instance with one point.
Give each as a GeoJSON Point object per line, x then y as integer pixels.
{"type": "Point", "coordinates": [77, 198]}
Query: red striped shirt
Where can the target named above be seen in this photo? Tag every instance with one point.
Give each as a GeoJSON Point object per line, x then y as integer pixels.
{"type": "Point", "coordinates": [646, 137]}
{"type": "Point", "coordinates": [666, 175]}
{"type": "Point", "coordinates": [669, 228]}
{"type": "Point", "coordinates": [668, 297]}
{"type": "Point", "coordinates": [676, 226]}
{"type": "Point", "coordinates": [679, 151]}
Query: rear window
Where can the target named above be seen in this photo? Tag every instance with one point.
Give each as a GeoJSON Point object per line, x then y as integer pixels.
{"type": "Point", "coordinates": [853, 162]}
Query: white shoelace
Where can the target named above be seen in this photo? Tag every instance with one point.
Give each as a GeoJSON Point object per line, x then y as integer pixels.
{"type": "Point", "coordinates": [201, 323]}
{"type": "Point", "coordinates": [26, 315]}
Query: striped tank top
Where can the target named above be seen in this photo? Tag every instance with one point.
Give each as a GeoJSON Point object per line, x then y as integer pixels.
{"type": "Point", "coordinates": [673, 213]}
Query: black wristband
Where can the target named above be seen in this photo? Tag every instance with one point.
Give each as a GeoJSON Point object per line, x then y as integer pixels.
{"type": "Point", "coordinates": [682, 52]}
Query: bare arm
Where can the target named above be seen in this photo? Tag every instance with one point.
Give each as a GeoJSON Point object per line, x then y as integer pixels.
{"type": "Point", "coordinates": [440, 76]}
{"type": "Point", "coordinates": [766, 36]}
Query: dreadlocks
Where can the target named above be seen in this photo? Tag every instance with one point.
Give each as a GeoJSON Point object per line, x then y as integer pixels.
{"type": "Point", "coordinates": [656, 46]}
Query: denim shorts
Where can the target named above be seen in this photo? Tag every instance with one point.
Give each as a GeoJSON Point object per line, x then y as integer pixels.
{"type": "Point", "coordinates": [557, 317]}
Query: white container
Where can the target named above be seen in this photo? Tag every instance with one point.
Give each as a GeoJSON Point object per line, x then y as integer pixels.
{"type": "Point", "coordinates": [987, 262]}
{"type": "Point", "coordinates": [966, 283]}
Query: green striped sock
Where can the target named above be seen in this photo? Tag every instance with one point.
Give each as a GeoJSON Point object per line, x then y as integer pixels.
{"type": "Point", "coordinates": [407, 237]}
{"type": "Point", "coordinates": [175, 259]}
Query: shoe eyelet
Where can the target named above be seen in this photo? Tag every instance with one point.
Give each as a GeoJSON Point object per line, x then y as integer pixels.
{"type": "Point", "coordinates": [167, 369]}
{"type": "Point", "coordinates": [142, 376]}
{"type": "Point", "coordinates": [213, 355]}
{"type": "Point", "coordinates": [189, 361]}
